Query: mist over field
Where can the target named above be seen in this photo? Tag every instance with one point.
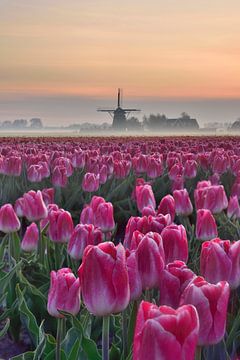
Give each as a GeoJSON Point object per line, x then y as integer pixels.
{"type": "Point", "coordinates": [65, 110]}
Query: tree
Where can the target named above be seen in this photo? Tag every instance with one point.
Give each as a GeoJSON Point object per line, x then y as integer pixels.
{"type": "Point", "coordinates": [36, 123]}
{"type": "Point", "coordinates": [133, 124]}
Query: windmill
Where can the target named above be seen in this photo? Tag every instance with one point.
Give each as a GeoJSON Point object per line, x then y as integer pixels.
{"type": "Point", "coordinates": [119, 115]}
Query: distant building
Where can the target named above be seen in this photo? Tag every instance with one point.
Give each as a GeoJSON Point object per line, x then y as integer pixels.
{"type": "Point", "coordinates": [161, 122]}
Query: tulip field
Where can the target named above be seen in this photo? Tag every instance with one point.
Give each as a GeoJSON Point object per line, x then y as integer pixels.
{"type": "Point", "coordinates": [120, 248]}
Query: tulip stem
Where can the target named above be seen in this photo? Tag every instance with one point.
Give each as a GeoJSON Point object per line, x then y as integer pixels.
{"type": "Point", "coordinates": [9, 251]}
{"type": "Point", "coordinates": [124, 333]}
{"type": "Point", "coordinates": [198, 355]}
{"type": "Point", "coordinates": [60, 323]}
{"type": "Point", "coordinates": [105, 338]}
{"type": "Point", "coordinates": [41, 245]}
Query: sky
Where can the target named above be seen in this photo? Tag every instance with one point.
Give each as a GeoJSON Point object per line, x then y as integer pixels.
{"type": "Point", "coordinates": [61, 60]}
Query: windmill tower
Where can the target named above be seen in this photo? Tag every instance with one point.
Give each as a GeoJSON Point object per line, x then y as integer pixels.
{"type": "Point", "coordinates": [119, 115]}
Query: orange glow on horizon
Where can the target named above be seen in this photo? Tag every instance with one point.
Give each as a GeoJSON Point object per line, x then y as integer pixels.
{"type": "Point", "coordinates": [170, 50]}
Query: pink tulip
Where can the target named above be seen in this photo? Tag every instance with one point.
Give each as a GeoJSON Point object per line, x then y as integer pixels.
{"type": "Point", "coordinates": [175, 243]}
{"type": "Point", "coordinates": [135, 282]}
{"type": "Point", "coordinates": [64, 293]}
{"type": "Point", "coordinates": [59, 176]}
{"type": "Point", "coordinates": [9, 221]}
{"type": "Point", "coordinates": [174, 279]}
{"type": "Point", "coordinates": [220, 260]}
{"type": "Point", "coordinates": [86, 216]}
{"type": "Point", "coordinates": [103, 174]}
{"type": "Point", "coordinates": [48, 196]}
{"type": "Point", "coordinates": [206, 228]}
{"type": "Point", "coordinates": [190, 169]}
{"type": "Point", "coordinates": [34, 207]}
{"type": "Point", "coordinates": [183, 203]}
{"type": "Point", "coordinates": [154, 167]}
{"type": "Point", "coordinates": [60, 226]}
{"type": "Point", "coordinates": [145, 224]}
{"type": "Point", "coordinates": [31, 237]}
{"type": "Point", "coordinates": [90, 182]}
{"type": "Point", "coordinates": [145, 197]}
{"type": "Point", "coordinates": [19, 207]}
{"type": "Point", "coordinates": [12, 166]}
{"type": "Point", "coordinates": [167, 206]}
{"type": "Point", "coordinates": [233, 210]}
{"type": "Point", "coordinates": [211, 302]}
{"type": "Point", "coordinates": [162, 333]}
{"type": "Point", "coordinates": [212, 198]}
{"type": "Point", "coordinates": [95, 202]}
{"type": "Point", "coordinates": [103, 217]}
{"type": "Point", "coordinates": [175, 171]}
{"type": "Point", "coordinates": [104, 279]}
{"type": "Point", "coordinates": [151, 259]}
{"type": "Point", "coordinates": [82, 236]}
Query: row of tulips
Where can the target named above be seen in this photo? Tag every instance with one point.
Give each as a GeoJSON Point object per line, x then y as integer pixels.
{"type": "Point", "coordinates": [162, 281]}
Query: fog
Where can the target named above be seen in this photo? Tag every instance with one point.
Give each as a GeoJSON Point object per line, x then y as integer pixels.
{"type": "Point", "coordinates": [65, 110]}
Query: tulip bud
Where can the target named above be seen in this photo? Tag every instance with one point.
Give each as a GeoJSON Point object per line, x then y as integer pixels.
{"type": "Point", "coordinates": [64, 293]}
{"type": "Point", "coordinates": [175, 243]}
{"type": "Point", "coordinates": [9, 221]}
{"type": "Point", "coordinates": [162, 333]}
{"type": "Point", "coordinates": [211, 302]}
{"type": "Point", "coordinates": [206, 228]}
{"type": "Point", "coordinates": [104, 279]}
{"type": "Point", "coordinates": [30, 240]}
